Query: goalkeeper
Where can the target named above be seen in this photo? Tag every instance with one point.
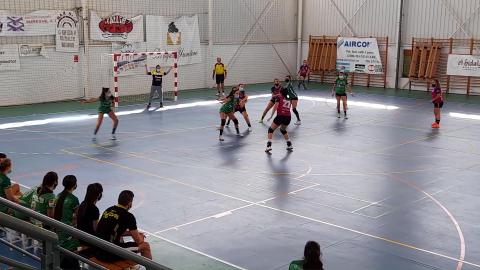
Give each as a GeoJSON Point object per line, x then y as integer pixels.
{"type": "Point", "coordinates": [157, 78]}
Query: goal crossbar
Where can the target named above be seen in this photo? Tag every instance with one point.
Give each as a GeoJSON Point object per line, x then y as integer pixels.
{"type": "Point", "coordinates": [116, 57]}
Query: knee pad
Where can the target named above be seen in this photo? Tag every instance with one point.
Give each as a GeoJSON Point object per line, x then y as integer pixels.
{"type": "Point", "coordinates": [235, 121]}
{"type": "Point", "coordinates": [270, 130]}
{"type": "Point", "coordinates": [223, 122]}
{"type": "Point", "coordinates": [283, 131]}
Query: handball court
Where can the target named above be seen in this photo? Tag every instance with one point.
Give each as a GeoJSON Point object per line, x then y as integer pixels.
{"type": "Point", "coordinates": [381, 190]}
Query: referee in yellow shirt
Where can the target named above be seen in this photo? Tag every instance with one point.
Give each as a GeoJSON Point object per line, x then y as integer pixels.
{"type": "Point", "coordinates": [219, 74]}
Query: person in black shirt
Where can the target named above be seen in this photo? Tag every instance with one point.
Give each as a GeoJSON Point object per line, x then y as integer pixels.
{"type": "Point", "coordinates": [88, 213]}
{"type": "Point", "coordinates": [157, 78]}
{"type": "Point", "coordinates": [115, 223]}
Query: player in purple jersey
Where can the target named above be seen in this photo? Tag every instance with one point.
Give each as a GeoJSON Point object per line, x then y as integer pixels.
{"type": "Point", "coordinates": [303, 74]}
{"type": "Point", "coordinates": [276, 89]}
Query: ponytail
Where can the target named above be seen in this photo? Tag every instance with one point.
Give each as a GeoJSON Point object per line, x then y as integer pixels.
{"type": "Point", "coordinates": [312, 255]}
{"type": "Point", "coordinates": [50, 179]}
{"type": "Point", "coordinates": [69, 182]}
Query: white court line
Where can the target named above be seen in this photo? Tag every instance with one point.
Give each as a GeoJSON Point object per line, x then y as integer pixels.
{"type": "Point", "coordinates": [465, 116]}
{"type": "Point", "coordinates": [194, 250]}
{"type": "Point", "coordinates": [82, 117]}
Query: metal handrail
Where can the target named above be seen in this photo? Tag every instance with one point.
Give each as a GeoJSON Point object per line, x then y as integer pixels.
{"type": "Point", "coordinates": [88, 238]}
{"type": "Point", "coordinates": [27, 228]}
{"type": "Point", "coordinates": [24, 252]}
{"type": "Point", "coordinates": [17, 265]}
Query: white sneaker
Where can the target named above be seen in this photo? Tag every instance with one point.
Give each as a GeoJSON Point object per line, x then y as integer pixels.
{"type": "Point", "coordinates": [269, 148]}
{"type": "Point", "coordinates": [249, 129]}
{"type": "Point", "coordinates": [220, 138]}
{"type": "Point", "coordinates": [239, 135]}
{"type": "Point", "coordinates": [217, 94]}
{"type": "Point", "coordinates": [298, 123]}
{"type": "Point", "coordinates": [345, 116]}
{"type": "Point", "coordinates": [289, 147]}
{"type": "Point", "coordinates": [113, 138]}
{"type": "Point", "coordinates": [338, 115]}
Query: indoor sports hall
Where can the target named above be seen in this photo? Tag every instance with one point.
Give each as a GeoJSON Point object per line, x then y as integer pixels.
{"type": "Point", "coordinates": [240, 134]}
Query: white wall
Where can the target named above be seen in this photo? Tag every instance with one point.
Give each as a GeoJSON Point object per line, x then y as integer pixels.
{"type": "Point", "coordinates": [441, 19]}
{"type": "Point", "coordinates": [256, 63]}
{"type": "Point", "coordinates": [422, 19]}
{"type": "Point", "coordinates": [57, 77]}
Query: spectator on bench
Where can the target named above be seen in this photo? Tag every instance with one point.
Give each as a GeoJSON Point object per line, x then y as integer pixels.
{"type": "Point", "coordinates": [88, 213]}
{"type": "Point", "coordinates": [115, 223]}
{"type": "Point", "coordinates": [6, 187]}
{"type": "Point", "coordinates": [43, 200]}
{"type": "Point", "coordinates": [15, 186]}
{"type": "Point", "coordinates": [66, 212]}
{"type": "Point", "coordinates": [312, 259]}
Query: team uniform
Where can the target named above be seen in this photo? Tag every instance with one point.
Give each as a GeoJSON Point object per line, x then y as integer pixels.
{"type": "Point", "coordinates": [341, 94]}
{"type": "Point", "coordinates": [228, 107]}
{"type": "Point", "coordinates": [5, 183]}
{"type": "Point", "coordinates": [240, 102]}
{"type": "Point", "coordinates": [341, 87]}
{"type": "Point", "coordinates": [437, 100]}
{"type": "Point", "coordinates": [220, 71]}
{"type": "Point", "coordinates": [282, 120]}
{"type": "Point", "coordinates": [292, 96]}
{"type": "Point", "coordinates": [70, 204]}
{"type": "Point", "coordinates": [115, 221]}
{"type": "Point", "coordinates": [284, 116]}
{"type": "Point", "coordinates": [276, 89]}
{"type": "Point", "coordinates": [26, 201]}
{"type": "Point", "coordinates": [303, 72]}
{"type": "Point", "coordinates": [42, 203]}
{"type": "Point", "coordinates": [105, 106]}
{"type": "Point", "coordinates": [157, 80]}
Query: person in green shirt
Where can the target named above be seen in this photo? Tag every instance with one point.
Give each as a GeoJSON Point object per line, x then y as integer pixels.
{"type": "Point", "coordinates": [312, 259]}
{"type": "Point", "coordinates": [50, 181]}
{"type": "Point", "coordinates": [106, 105]}
{"type": "Point", "coordinates": [43, 200]}
{"type": "Point", "coordinates": [293, 97]}
{"type": "Point", "coordinates": [66, 212]}
{"type": "Point", "coordinates": [6, 187]}
{"type": "Point", "coordinates": [228, 110]}
{"type": "Point", "coordinates": [340, 91]}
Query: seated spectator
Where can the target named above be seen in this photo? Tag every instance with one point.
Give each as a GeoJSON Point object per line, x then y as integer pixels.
{"type": "Point", "coordinates": [6, 189]}
{"type": "Point", "coordinates": [312, 259]}
{"type": "Point", "coordinates": [49, 180]}
{"type": "Point", "coordinates": [43, 200]}
{"type": "Point", "coordinates": [88, 213]}
{"type": "Point", "coordinates": [66, 212]}
{"type": "Point", "coordinates": [115, 223]}
{"type": "Point", "coordinates": [15, 187]}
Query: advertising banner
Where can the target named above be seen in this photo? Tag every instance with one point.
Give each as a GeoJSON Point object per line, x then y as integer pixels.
{"type": "Point", "coordinates": [463, 65]}
{"type": "Point", "coordinates": [116, 27]}
{"type": "Point", "coordinates": [180, 34]}
{"type": "Point", "coordinates": [9, 58]}
{"type": "Point", "coordinates": [359, 55]}
{"type": "Point", "coordinates": [66, 38]}
{"type": "Point", "coordinates": [36, 23]}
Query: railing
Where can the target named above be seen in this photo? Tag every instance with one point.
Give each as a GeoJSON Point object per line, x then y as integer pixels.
{"type": "Point", "coordinates": [50, 239]}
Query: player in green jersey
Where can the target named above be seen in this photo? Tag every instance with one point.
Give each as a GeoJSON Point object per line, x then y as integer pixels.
{"type": "Point", "coordinates": [340, 91]}
{"type": "Point", "coordinates": [106, 107]}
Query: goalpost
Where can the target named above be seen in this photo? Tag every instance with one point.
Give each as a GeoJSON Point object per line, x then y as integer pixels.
{"type": "Point", "coordinates": [168, 54]}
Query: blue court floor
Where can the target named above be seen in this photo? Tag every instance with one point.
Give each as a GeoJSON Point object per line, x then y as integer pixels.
{"type": "Point", "coordinates": [381, 190]}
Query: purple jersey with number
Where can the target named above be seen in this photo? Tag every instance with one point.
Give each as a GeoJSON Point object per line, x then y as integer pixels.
{"type": "Point", "coordinates": [284, 106]}
{"type": "Point", "coordinates": [304, 70]}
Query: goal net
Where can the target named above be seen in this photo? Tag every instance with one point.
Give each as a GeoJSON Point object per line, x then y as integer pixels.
{"type": "Point", "coordinates": [128, 76]}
